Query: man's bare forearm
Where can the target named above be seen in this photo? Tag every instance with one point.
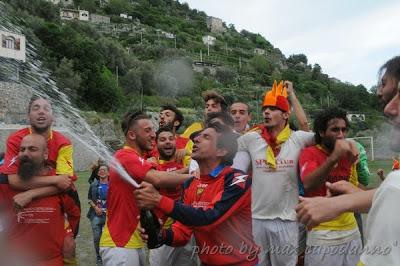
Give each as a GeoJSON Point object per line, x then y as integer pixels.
{"type": "Point", "coordinates": [318, 176]}
{"type": "Point", "coordinates": [35, 182]}
{"type": "Point", "coordinates": [356, 202]}
{"type": "Point", "coordinates": [165, 179]}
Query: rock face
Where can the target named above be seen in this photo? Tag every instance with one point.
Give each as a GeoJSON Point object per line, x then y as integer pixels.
{"type": "Point", "coordinates": [13, 116]}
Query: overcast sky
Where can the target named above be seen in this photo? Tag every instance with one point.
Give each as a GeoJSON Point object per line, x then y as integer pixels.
{"type": "Point", "coordinates": [350, 39]}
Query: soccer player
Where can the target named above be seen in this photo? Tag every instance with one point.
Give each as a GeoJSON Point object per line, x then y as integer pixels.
{"type": "Point", "coordinates": [60, 151]}
{"type": "Point", "coordinates": [165, 255]}
{"type": "Point", "coordinates": [272, 149]}
{"type": "Point", "coordinates": [332, 159]}
{"type": "Point", "coordinates": [216, 207]}
{"type": "Point", "coordinates": [213, 103]}
{"type": "Point", "coordinates": [120, 242]}
{"type": "Point", "coordinates": [35, 232]}
{"type": "Point", "coordinates": [241, 115]}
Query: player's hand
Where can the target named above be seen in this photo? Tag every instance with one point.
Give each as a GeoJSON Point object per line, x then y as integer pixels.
{"type": "Point", "coordinates": [180, 155]}
{"type": "Point", "coordinates": [63, 182]}
{"type": "Point", "coordinates": [142, 231]}
{"type": "Point", "coordinates": [313, 211]}
{"type": "Point", "coordinates": [98, 211]}
{"type": "Point", "coordinates": [21, 200]}
{"type": "Point", "coordinates": [152, 160]}
{"type": "Point", "coordinates": [340, 187]}
{"type": "Point", "coordinates": [147, 197]}
{"type": "Point", "coordinates": [345, 148]}
{"type": "Point", "coordinates": [289, 87]}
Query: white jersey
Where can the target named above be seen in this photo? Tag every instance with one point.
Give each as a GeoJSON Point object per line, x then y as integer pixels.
{"type": "Point", "coordinates": [383, 224]}
{"type": "Point", "coordinates": [275, 192]}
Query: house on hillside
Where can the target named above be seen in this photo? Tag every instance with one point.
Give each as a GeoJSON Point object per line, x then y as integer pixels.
{"type": "Point", "coordinates": [209, 40]}
{"type": "Point", "coordinates": [69, 14]}
{"type": "Point", "coordinates": [259, 51]}
{"type": "Point", "coordinates": [62, 2]}
{"type": "Point", "coordinates": [12, 45]}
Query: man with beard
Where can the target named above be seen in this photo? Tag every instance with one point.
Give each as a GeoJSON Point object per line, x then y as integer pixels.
{"type": "Point", "coordinates": [272, 150]}
{"type": "Point", "coordinates": [382, 204]}
{"type": "Point", "coordinates": [172, 117]}
{"type": "Point", "coordinates": [120, 243]}
{"type": "Point", "coordinates": [216, 208]}
{"type": "Point", "coordinates": [35, 233]}
{"type": "Point", "coordinates": [60, 151]}
{"type": "Point", "coordinates": [165, 255]}
{"type": "Point", "coordinates": [331, 160]}
{"type": "Point", "coordinates": [213, 103]}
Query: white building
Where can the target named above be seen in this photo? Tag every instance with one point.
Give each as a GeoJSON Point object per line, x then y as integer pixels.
{"type": "Point", "coordinates": [95, 18]}
{"type": "Point", "coordinates": [69, 14]}
{"type": "Point", "coordinates": [12, 45]}
{"type": "Point", "coordinates": [209, 40]}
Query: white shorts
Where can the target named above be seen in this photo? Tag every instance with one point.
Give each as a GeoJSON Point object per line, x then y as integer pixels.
{"type": "Point", "coordinates": [278, 240]}
{"type": "Point", "coordinates": [174, 256]}
{"type": "Point", "coordinates": [123, 256]}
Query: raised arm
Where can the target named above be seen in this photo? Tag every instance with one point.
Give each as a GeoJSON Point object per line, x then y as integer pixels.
{"type": "Point", "coordinates": [297, 108]}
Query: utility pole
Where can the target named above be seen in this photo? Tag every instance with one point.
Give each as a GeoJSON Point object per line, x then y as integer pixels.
{"type": "Point", "coordinates": [175, 40]}
{"type": "Point", "coordinates": [201, 56]}
{"type": "Point", "coordinates": [116, 72]}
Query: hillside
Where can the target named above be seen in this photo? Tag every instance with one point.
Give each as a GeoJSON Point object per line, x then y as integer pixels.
{"type": "Point", "coordinates": [158, 56]}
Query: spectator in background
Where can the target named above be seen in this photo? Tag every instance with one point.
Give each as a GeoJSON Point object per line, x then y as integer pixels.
{"type": "Point", "coordinates": [95, 169]}
{"type": "Point", "coordinates": [241, 115]}
{"type": "Point", "coordinates": [97, 197]}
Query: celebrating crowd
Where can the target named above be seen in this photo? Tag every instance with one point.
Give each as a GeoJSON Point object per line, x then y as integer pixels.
{"type": "Point", "coordinates": [225, 192]}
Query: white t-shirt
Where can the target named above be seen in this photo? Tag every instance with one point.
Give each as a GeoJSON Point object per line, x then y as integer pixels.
{"type": "Point", "coordinates": [275, 192]}
{"type": "Point", "coordinates": [383, 224]}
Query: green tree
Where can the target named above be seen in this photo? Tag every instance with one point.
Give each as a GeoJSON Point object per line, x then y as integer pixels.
{"type": "Point", "coordinates": [67, 79]}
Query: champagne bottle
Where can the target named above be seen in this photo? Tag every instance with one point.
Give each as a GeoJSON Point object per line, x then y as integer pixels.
{"type": "Point", "coordinates": [149, 222]}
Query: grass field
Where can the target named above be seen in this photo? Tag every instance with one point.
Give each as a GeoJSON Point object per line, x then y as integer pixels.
{"type": "Point", "coordinates": [85, 249]}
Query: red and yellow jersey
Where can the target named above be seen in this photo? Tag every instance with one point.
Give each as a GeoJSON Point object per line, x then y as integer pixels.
{"type": "Point", "coordinates": [313, 157]}
{"type": "Point", "coordinates": [121, 225]}
{"type": "Point", "coordinates": [169, 166]}
{"type": "Point", "coordinates": [38, 229]}
{"type": "Point", "coordinates": [59, 148]}
{"type": "Point", "coordinates": [216, 208]}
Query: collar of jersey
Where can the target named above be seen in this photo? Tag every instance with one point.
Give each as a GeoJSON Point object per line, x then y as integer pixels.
{"type": "Point", "coordinates": [126, 147]}
{"type": "Point", "coordinates": [217, 170]}
{"type": "Point", "coordinates": [50, 136]}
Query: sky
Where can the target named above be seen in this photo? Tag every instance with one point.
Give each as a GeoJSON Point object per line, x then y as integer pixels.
{"type": "Point", "coordinates": [349, 39]}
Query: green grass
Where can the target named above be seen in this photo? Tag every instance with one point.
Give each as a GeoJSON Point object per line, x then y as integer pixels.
{"type": "Point", "coordinates": [85, 250]}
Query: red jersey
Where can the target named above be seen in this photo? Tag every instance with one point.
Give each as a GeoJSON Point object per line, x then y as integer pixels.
{"type": "Point", "coordinates": [59, 149]}
{"type": "Point", "coordinates": [313, 157]}
{"type": "Point", "coordinates": [216, 208]}
{"type": "Point", "coordinates": [37, 231]}
{"type": "Point", "coordinates": [168, 166]}
{"type": "Point", "coordinates": [120, 229]}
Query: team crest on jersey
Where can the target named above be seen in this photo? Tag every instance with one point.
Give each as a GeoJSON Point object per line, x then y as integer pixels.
{"type": "Point", "coordinates": [199, 191]}
{"type": "Point", "coordinates": [240, 180]}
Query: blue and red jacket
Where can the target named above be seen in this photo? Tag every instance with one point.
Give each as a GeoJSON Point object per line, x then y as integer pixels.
{"type": "Point", "coordinates": [216, 208]}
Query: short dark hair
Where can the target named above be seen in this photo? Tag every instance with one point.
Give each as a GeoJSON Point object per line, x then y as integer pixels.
{"type": "Point", "coordinates": [391, 67]}
{"type": "Point", "coordinates": [322, 119]}
{"type": "Point", "coordinates": [218, 98]}
{"type": "Point", "coordinates": [247, 105]}
{"type": "Point", "coordinates": [225, 117]}
{"type": "Point", "coordinates": [178, 113]}
{"type": "Point", "coordinates": [227, 140]}
{"type": "Point", "coordinates": [164, 129]}
{"type": "Point", "coordinates": [33, 99]}
{"type": "Point", "coordinates": [130, 119]}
